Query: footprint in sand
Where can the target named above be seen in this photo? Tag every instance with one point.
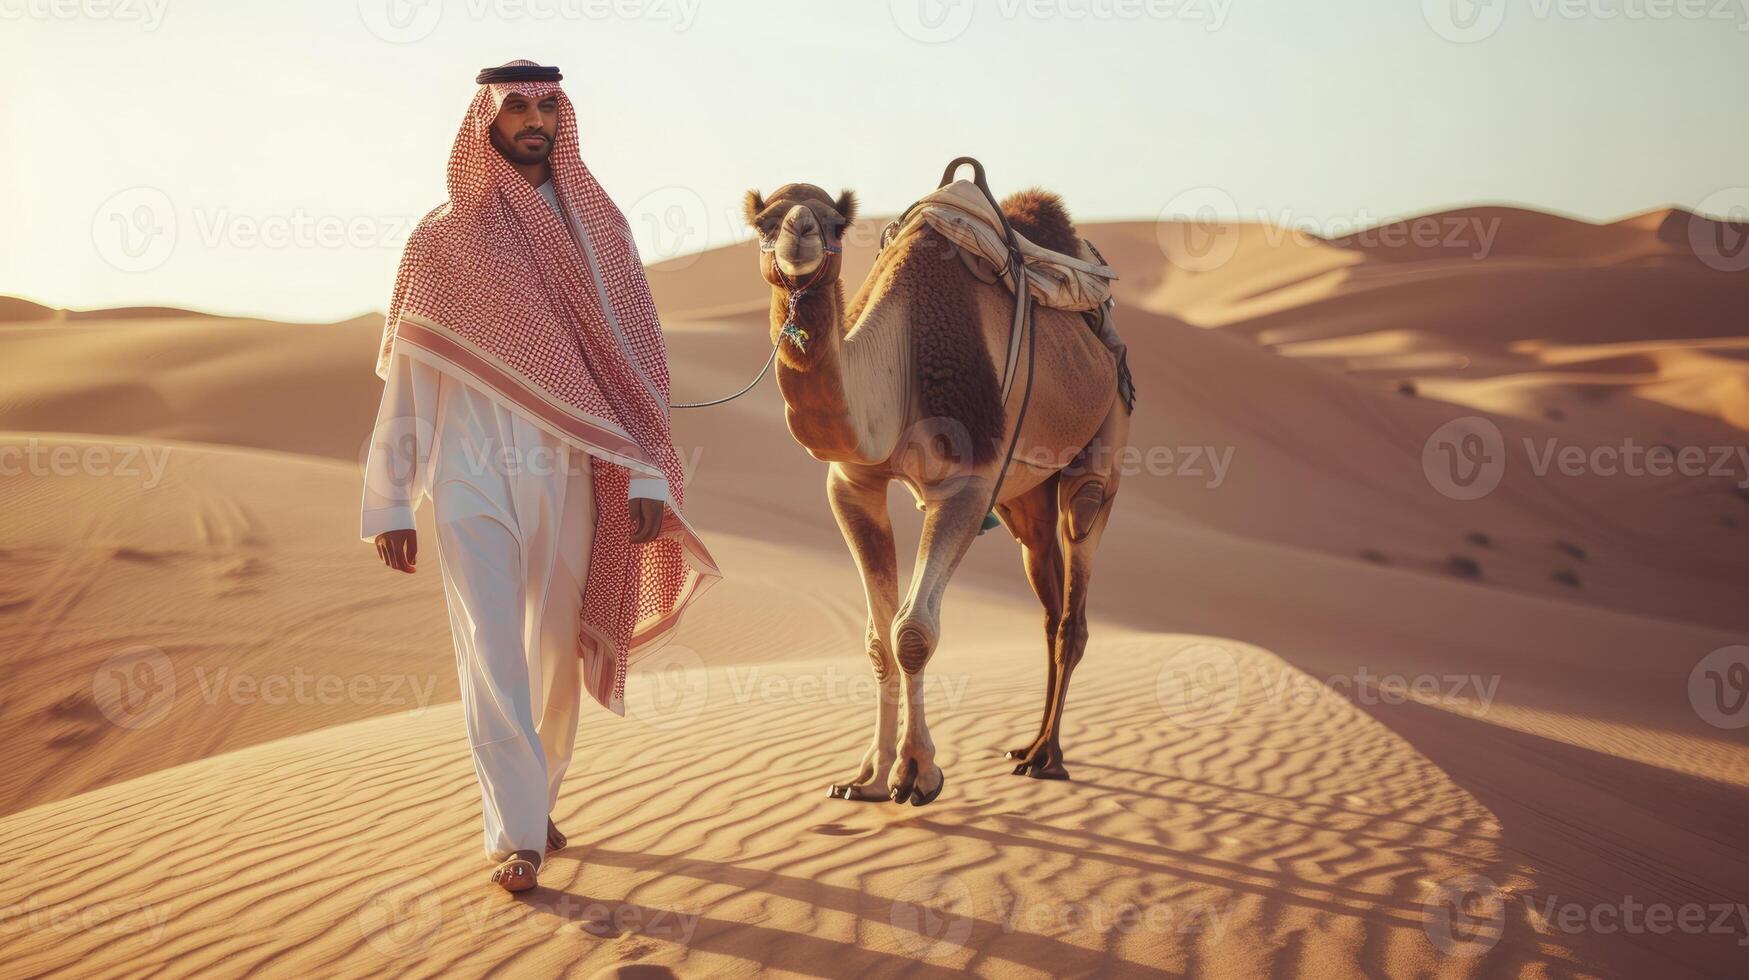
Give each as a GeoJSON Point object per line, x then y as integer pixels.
{"type": "Point", "coordinates": [1464, 566]}
{"type": "Point", "coordinates": [75, 738]}
{"type": "Point", "coordinates": [125, 553]}
{"type": "Point", "coordinates": [635, 971]}
{"type": "Point", "coordinates": [837, 830]}
{"type": "Point", "coordinates": [77, 706]}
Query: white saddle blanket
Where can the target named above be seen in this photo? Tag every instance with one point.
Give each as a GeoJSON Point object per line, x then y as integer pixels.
{"type": "Point", "coordinates": [961, 213]}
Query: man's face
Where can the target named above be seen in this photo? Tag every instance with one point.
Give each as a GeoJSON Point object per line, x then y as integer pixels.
{"type": "Point", "coordinates": [525, 128]}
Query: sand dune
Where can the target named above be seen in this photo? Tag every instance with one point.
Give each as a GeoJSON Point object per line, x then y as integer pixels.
{"type": "Point", "coordinates": [1219, 848]}
{"type": "Point", "coordinates": [223, 769]}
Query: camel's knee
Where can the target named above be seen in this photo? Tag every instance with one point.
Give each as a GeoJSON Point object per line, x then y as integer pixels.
{"type": "Point", "coordinates": [913, 642]}
{"type": "Point", "coordinates": [880, 656]}
{"type": "Point", "coordinates": [1084, 505]}
{"type": "Point", "coordinates": [1071, 639]}
{"type": "Point", "coordinates": [877, 659]}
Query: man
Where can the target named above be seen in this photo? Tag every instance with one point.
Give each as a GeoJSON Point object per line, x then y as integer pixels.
{"type": "Point", "coordinates": [526, 394]}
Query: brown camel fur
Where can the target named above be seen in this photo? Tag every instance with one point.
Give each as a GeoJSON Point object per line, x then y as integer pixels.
{"type": "Point", "coordinates": [903, 383]}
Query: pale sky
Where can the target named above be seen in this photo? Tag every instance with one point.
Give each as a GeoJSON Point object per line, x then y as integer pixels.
{"type": "Point", "coordinates": [267, 158]}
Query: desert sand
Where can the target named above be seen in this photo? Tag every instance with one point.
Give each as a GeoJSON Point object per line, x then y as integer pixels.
{"type": "Point", "coordinates": [1332, 720]}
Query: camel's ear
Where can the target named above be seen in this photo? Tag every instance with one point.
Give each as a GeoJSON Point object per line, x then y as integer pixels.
{"type": "Point", "coordinates": [751, 205]}
{"type": "Point", "coordinates": [846, 205]}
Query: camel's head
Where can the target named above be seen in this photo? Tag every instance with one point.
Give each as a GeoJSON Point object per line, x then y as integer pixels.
{"type": "Point", "coordinates": [801, 233]}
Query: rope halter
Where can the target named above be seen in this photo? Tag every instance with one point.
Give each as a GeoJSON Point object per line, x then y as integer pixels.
{"type": "Point", "coordinates": [799, 291]}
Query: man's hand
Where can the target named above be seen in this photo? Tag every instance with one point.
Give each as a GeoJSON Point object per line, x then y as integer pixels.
{"type": "Point", "coordinates": [399, 550]}
{"type": "Point", "coordinates": [646, 514]}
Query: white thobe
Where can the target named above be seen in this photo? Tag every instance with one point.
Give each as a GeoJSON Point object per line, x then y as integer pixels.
{"type": "Point", "coordinates": [515, 510]}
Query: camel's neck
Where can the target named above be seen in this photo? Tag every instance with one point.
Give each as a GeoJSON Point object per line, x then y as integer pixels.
{"type": "Point", "coordinates": [844, 394]}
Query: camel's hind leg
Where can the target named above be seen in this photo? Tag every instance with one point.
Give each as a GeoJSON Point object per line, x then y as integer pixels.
{"type": "Point", "coordinates": [1032, 519]}
{"type": "Point", "coordinates": [1085, 492]}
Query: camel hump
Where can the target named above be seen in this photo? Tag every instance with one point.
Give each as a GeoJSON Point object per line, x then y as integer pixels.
{"type": "Point", "coordinates": [1041, 218]}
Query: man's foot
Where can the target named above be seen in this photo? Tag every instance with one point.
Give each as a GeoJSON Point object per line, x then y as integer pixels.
{"type": "Point", "coordinates": [555, 840]}
{"type": "Point", "coordinates": [517, 873]}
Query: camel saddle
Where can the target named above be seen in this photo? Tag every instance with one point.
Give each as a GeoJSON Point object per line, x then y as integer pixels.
{"type": "Point", "coordinates": [965, 213]}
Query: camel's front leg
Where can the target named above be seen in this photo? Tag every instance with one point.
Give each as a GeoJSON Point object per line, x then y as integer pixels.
{"type": "Point", "coordinates": [948, 530]}
{"type": "Point", "coordinates": [861, 510]}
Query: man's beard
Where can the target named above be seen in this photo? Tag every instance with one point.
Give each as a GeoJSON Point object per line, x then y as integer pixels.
{"type": "Point", "coordinates": [513, 151]}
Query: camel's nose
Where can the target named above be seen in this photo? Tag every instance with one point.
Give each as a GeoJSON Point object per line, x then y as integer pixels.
{"type": "Point", "coordinates": [800, 221]}
{"type": "Point", "coordinates": [799, 247]}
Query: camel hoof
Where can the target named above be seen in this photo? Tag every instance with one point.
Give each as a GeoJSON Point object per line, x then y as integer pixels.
{"type": "Point", "coordinates": [1015, 755]}
{"type": "Point", "coordinates": [1021, 769]}
{"type": "Point", "coordinates": [902, 790]}
{"type": "Point", "coordinates": [1049, 772]}
{"type": "Point", "coordinates": [921, 799]}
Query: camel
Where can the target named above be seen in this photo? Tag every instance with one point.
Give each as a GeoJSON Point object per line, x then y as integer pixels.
{"type": "Point", "coordinates": [903, 384]}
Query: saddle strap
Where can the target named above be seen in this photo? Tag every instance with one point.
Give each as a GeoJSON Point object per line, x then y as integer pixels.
{"type": "Point", "coordinates": [1022, 300]}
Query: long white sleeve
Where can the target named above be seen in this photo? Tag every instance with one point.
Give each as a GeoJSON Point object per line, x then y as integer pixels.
{"type": "Point", "coordinates": [653, 487]}
{"type": "Point", "coordinates": [400, 446]}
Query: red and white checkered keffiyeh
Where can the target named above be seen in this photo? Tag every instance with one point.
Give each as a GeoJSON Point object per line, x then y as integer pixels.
{"type": "Point", "coordinates": [492, 286]}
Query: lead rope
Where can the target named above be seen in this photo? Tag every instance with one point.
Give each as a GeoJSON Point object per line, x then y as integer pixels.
{"type": "Point", "coordinates": [729, 398]}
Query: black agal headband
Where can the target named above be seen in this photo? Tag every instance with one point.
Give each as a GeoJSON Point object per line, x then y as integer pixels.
{"type": "Point", "coordinates": [517, 73]}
